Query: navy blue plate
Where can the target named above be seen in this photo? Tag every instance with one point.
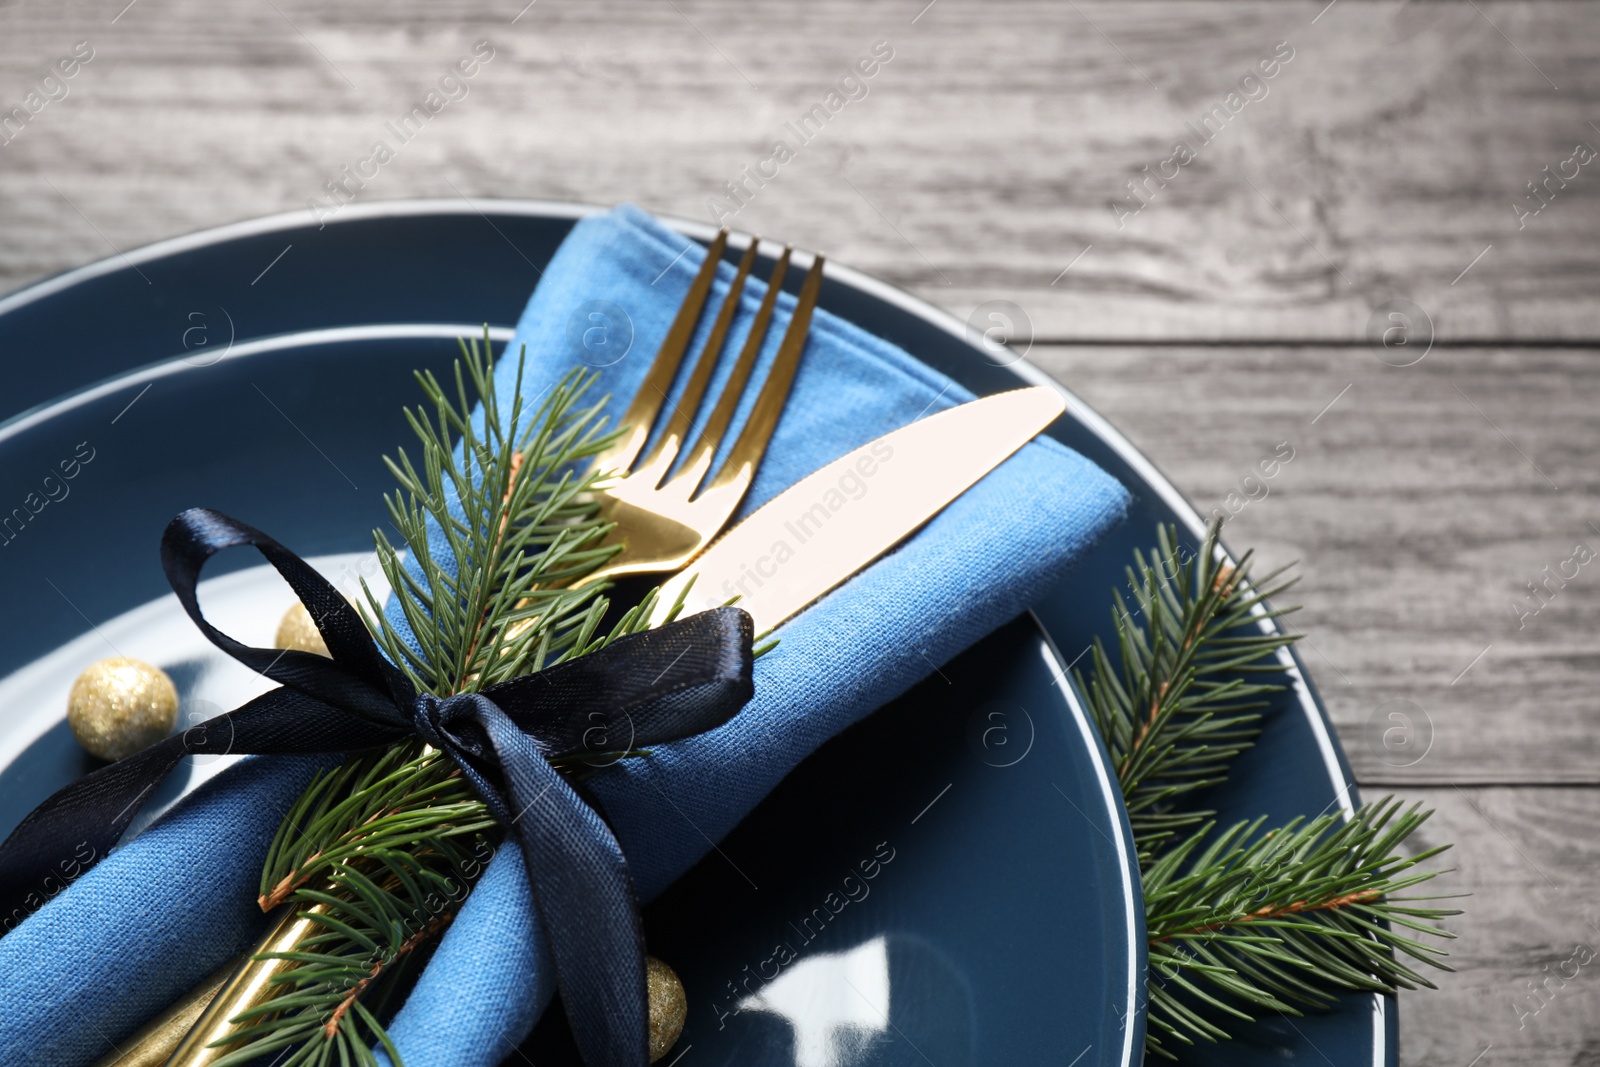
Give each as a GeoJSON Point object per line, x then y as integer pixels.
{"type": "Point", "coordinates": [969, 893]}
{"type": "Point", "coordinates": [446, 264]}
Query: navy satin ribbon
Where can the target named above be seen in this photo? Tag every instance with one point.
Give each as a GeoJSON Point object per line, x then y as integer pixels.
{"type": "Point", "coordinates": [645, 689]}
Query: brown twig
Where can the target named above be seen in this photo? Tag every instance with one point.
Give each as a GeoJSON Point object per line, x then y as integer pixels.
{"type": "Point", "coordinates": [1225, 582]}
{"type": "Point", "coordinates": [1299, 907]}
{"type": "Point", "coordinates": [302, 873]}
{"type": "Point", "coordinates": [331, 1028]}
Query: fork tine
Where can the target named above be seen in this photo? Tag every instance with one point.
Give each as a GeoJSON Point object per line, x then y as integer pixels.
{"type": "Point", "coordinates": [641, 414]}
{"type": "Point", "coordinates": [758, 428]}
{"type": "Point", "coordinates": [670, 443]}
{"type": "Point", "coordinates": [717, 425]}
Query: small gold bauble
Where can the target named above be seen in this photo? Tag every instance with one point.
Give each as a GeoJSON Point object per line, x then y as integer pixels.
{"type": "Point", "coordinates": [669, 1006]}
{"type": "Point", "coordinates": [119, 706]}
{"type": "Point", "coordinates": [298, 632]}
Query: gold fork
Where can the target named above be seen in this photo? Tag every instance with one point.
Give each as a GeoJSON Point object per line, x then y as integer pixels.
{"type": "Point", "coordinates": [662, 522]}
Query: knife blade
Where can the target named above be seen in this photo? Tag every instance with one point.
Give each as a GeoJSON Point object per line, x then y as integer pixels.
{"type": "Point", "coordinates": [831, 524]}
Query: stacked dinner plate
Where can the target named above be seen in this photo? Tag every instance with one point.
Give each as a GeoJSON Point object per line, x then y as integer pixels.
{"type": "Point", "coordinates": [1004, 924]}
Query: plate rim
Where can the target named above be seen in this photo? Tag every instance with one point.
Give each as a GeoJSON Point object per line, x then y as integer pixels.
{"type": "Point", "coordinates": [1305, 693]}
{"type": "Point", "coordinates": [1138, 953]}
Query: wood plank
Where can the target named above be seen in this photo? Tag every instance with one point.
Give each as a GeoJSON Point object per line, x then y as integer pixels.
{"type": "Point", "coordinates": [1418, 507]}
{"type": "Point", "coordinates": [1526, 857]}
{"type": "Point", "coordinates": [1383, 159]}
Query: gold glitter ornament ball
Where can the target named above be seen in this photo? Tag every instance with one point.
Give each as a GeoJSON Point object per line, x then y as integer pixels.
{"type": "Point", "coordinates": [298, 632]}
{"type": "Point", "coordinates": [119, 706]}
{"type": "Point", "coordinates": [669, 1006]}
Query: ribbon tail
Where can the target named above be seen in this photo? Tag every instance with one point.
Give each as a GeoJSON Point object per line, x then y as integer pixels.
{"type": "Point", "coordinates": [76, 828]}
{"type": "Point", "coordinates": [79, 824]}
{"type": "Point", "coordinates": [584, 897]}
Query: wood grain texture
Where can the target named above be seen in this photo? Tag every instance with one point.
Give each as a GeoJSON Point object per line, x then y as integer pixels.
{"type": "Point", "coordinates": [1382, 160]}
{"type": "Point", "coordinates": [1526, 858]}
{"type": "Point", "coordinates": [1382, 163]}
{"type": "Point", "coordinates": [1419, 503]}
{"type": "Point", "coordinates": [1418, 507]}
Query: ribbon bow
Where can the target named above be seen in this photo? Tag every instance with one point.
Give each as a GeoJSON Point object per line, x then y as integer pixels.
{"type": "Point", "coordinates": [648, 688]}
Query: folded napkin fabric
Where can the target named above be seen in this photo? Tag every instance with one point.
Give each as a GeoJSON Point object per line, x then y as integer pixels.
{"type": "Point", "coordinates": [148, 923]}
{"type": "Point", "coordinates": [975, 566]}
{"type": "Point", "coordinates": [970, 569]}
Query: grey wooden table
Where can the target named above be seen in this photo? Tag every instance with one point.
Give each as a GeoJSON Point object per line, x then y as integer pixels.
{"type": "Point", "coordinates": [1436, 153]}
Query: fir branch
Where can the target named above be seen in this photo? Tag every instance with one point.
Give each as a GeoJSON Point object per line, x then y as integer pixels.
{"type": "Point", "coordinates": [1186, 700]}
{"type": "Point", "coordinates": [380, 851]}
{"type": "Point", "coordinates": [1244, 920]}
{"type": "Point", "coordinates": [527, 527]}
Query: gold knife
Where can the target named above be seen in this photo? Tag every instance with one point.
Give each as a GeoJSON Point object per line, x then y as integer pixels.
{"type": "Point", "coordinates": [832, 524]}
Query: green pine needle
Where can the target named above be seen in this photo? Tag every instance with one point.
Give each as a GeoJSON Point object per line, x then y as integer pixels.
{"type": "Point", "coordinates": [1245, 920]}
{"type": "Point", "coordinates": [380, 851]}
{"type": "Point", "coordinates": [1185, 701]}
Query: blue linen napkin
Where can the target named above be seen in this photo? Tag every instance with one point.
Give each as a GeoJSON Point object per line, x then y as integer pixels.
{"type": "Point", "coordinates": [152, 919]}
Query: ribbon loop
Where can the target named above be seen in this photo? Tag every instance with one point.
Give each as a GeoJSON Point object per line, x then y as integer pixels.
{"type": "Point", "coordinates": [647, 688]}
{"type": "Point", "coordinates": [357, 679]}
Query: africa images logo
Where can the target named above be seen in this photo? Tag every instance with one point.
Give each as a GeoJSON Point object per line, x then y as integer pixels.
{"type": "Point", "coordinates": [809, 521]}
{"type": "Point", "coordinates": [1252, 87]}
{"type": "Point", "coordinates": [49, 89]}
{"type": "Point", "coordinates": [352, 178]}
